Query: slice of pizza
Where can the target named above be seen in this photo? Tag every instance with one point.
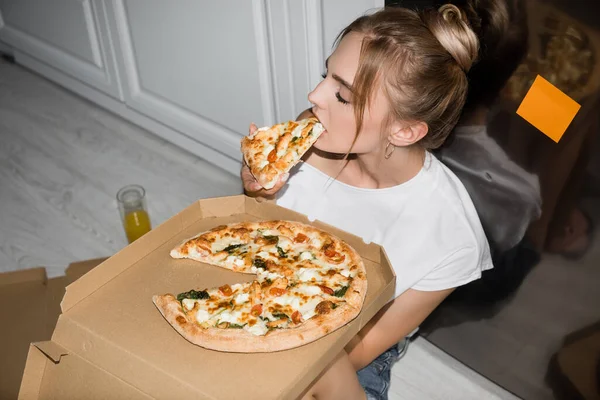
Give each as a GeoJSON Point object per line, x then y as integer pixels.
{"type": "Point", "coordinates": [272, 151]}
{"type": "Point", "coordinates": [260, 316]}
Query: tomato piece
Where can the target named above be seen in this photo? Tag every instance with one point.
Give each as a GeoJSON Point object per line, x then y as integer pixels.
{"type": "Point", "coordinates": [329, 251]}
{"type": "Point", "coordinates": [226, 290]}
{"type": "Point", "coordinates": [301, 238]}
{"type": "Point", "coordinates": [296, 317]}
{"type": "Point", "coordinates": [326, 289]}
{"type": "Point", "coordinates": [277, 291]}
{"type": "Point", "coordinates": [256, 310]}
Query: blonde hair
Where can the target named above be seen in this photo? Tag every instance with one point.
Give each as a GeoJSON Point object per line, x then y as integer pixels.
{"type": "Point", "coordinates": [421, 60]}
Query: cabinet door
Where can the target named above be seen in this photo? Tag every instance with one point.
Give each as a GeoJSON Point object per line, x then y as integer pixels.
{"type": "Point", "coordinates": [199, 67]}
{"type": "Point", "coordinates": [69, 35]}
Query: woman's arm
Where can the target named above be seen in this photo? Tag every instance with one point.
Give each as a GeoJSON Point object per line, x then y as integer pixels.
{"type": "Point", "coordinates": [390, 325]}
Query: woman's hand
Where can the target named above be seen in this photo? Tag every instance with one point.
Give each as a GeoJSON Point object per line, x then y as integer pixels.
{"type": "Point", "coordinates": [251, 186]}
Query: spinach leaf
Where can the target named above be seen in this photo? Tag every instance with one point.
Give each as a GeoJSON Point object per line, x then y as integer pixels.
{"type": "Point", "coordinates": [232, 247]}
{"type": "Point", "coordinates": [260, 263]}
{"type": "Point", "coordinates": [194, 295]}
{"type": "Point", "coordinates": [280, 315]}
{"type": "Point", "coordinates": [236, 326]}
{"type": "Point", "coordinates": [282, 253]}
{"type": "Point", "coordinates": [340, 292]}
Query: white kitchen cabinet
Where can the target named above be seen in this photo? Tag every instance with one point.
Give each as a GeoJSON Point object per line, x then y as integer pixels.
{"type": "Point", "coordinates": [195, 72]}
{"type": "Point", "coordinates": [69, 35]}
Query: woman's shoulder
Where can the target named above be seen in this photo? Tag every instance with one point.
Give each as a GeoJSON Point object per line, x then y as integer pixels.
{"type": "Point", "coordinates": [444, 208]}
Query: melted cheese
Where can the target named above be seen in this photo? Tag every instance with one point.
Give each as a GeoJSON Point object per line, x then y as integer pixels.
{"type": "Point", "coordinates": [258, 329]}
{"type": "Point", "coordinates": [316, 242]}
{"type": "Point", "coordinates": [306, 275]}
{"type": "Point", "coordinates": [263, 164]}
{"type": "Point", "coordinates": [285, 243]}
{"type": "Point", "coordinates": [241, 298]}
{"type": "Point", "coordinates": [202, 316]}
{"type": "Point", "coordinates": [308, 310]}
{"type": "Point", "coordinates": [188, 303]}
{"type": "Point", "coordinates": [233, 260]}
{"type": "Point", "coordinates": [233, 317]}
{"type": "Point", "coordinates": [271, 275]}
{"type": "Point", "coordinates": [268, 149]}
{"type": "Point", "coordinates": [288, 300]}
{"type": "Point", "coordinates": [309, 290]}
{"type": "Point", "coordinates": [237, 286]}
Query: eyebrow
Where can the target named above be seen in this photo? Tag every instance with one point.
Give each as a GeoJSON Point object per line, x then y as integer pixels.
{"type": "Point", "coordinates": [338, 78]}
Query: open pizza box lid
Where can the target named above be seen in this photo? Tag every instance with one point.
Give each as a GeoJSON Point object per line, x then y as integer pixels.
{"type": "Point", "coordinates": [110, 323]}
{"type": "Point", "coordinates": [31, 305]}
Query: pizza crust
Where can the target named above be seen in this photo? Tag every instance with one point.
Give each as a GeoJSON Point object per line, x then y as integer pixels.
{"type": "Point", "coordinates": [241, 341]}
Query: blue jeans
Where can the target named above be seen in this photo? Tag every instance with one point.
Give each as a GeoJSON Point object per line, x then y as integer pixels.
{"type": "Point", "coordinates": [375, 377]}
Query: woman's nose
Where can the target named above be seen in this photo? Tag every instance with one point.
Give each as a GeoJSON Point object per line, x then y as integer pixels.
{"type": "Point", "coordinates": [316, 97]}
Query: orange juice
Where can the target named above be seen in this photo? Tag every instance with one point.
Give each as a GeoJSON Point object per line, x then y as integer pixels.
{"type": "Point", "coordinates": [136, 224]}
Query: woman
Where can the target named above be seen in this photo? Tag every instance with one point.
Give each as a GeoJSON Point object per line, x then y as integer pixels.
{"type": "Point", "coordinates": [394, 89]}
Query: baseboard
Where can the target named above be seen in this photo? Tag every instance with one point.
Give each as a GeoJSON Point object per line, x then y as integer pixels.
{"type": "Point", "coordinates": [209, 154]}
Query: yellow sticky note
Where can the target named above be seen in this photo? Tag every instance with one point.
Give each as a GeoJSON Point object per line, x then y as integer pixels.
{"type": "Point", "coordinates": [548, 109]}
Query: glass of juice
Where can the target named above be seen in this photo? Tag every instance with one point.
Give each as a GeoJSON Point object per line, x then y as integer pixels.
{"type": "Point", "coordinates": [134, 214]}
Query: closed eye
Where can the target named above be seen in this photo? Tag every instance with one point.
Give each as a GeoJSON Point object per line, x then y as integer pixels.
{"type": "Point", "coordinates": [341, 99]}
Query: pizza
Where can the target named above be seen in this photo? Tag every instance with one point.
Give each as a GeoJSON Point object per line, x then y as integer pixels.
{"type": "Point", "coordinates": [308, 283]}
{"type": "Point", "coordinates": [272, 151]}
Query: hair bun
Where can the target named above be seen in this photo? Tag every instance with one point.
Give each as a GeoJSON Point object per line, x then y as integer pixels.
{"type": "Point", "coordinates": [451, 28]}
{"type": "Point", "coordinates": [451, 13]}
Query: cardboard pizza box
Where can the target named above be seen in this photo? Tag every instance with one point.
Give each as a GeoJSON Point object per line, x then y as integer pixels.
{"type": "Point", "coordinates": [31, 305]}
{"type": "Point", "coordinates": [110, 324]}
{"type": "Point", "coordinates": [53, 373]}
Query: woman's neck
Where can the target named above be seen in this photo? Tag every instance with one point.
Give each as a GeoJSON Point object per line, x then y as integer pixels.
{"type": "Point", "coordinates": [372, 170]}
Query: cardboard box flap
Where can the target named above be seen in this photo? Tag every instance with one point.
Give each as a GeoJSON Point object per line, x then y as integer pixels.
{"type": "Point", "coordinates": [33, 375]}
{"type": "Point", "coordinates": [111, 268]}
{"type": "Point", "coordinates": [52, 350]}
{"type": "Point", "coordinates": [222, 206]}
{"type": "Point", "coordinates": [21, 276]}
{"type": "Point", "coordinates": [72, 378]}
{"type": "Point", "coordinates": [77, 269]}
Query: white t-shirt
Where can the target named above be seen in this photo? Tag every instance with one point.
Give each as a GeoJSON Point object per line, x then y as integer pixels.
{"type": "Point", "coordinates": [428, 225]}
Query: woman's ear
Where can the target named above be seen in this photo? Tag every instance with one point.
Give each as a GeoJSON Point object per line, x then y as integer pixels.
{"type": "Point", "coordinates": [407, 134]}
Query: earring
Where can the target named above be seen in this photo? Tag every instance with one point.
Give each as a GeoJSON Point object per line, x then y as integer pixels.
{"type": "Point", "coordinates": [388, 152]}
